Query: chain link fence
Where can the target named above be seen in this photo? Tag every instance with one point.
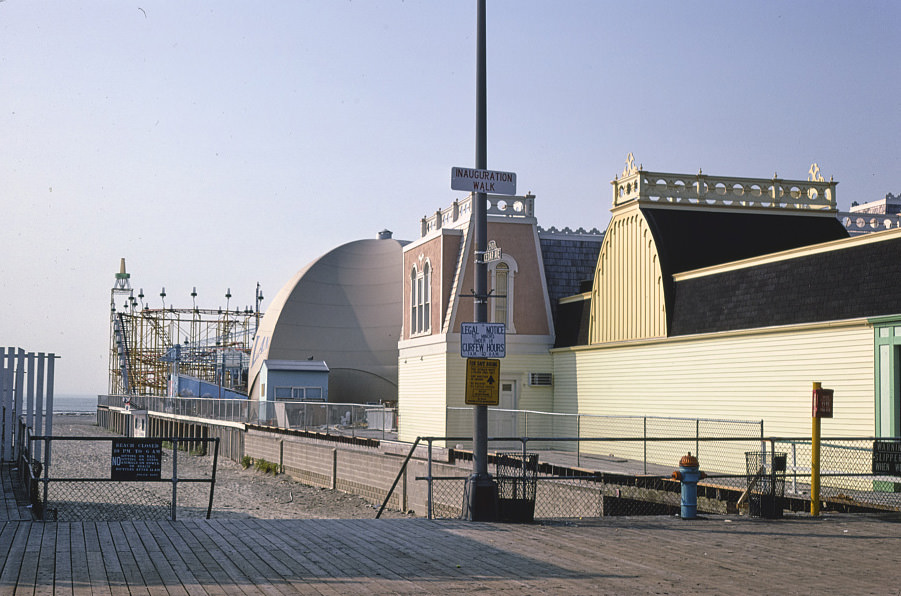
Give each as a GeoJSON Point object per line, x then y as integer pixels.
{"type": "Point", "coordinates": [633, 438]}
{"type": "Point", "coordinates": [855, 472]}
{"type": "Point", "coordinates": [856, 475]}
{"type": "Point", "coordinates": [116, 478]}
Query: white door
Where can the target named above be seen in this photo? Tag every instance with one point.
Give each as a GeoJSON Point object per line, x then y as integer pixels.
{"type": "Point", "coordinates": [503, 420]}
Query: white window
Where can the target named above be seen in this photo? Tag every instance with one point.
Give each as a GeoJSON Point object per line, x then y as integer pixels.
{"type": "Point", "coordinates": [298, 393]}
{"type": "Point", "coordinates": [421, 300]}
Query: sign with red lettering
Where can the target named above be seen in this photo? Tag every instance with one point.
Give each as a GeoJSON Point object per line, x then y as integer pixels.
{"type": "Point", "coordinates": [822, 403]}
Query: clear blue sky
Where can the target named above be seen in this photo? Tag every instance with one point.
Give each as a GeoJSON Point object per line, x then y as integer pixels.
{"type": "Point", "coordinates": [218, 144]}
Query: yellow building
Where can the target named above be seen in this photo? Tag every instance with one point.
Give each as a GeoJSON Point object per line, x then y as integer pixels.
{"type": "Point", "coordinates": [710, 297]}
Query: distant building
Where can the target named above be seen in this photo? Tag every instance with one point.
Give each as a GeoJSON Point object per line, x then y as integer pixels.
{"type": "Point", "coordinates": [529, 270]}
{"type": "Point", "coordinates": [875, 216]}
{"type": "Point", "coordinates": [342, 309]}
{"type": "Point", "coordinates": [890, 205]}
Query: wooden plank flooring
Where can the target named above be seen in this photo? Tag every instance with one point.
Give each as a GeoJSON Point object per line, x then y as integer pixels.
{"type": "Point", "coordinates": [660, 555]}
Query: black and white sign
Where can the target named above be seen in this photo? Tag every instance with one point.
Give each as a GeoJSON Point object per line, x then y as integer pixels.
{"type": "Point", "coordinates": [887, 458]}
{"type": "Point", "coordinates": [483, 340]}
{"type": "Point", "coordinates": [136, 459]}
{"type": "Point", "coordinates": [487, 181]}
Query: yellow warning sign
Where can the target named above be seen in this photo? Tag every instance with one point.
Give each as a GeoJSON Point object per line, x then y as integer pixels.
{"type": "Point", "coordinates": [483, 381]}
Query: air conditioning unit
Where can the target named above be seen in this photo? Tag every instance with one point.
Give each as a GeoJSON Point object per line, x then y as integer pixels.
{"type": "Point", "coordinates": [541, 379]}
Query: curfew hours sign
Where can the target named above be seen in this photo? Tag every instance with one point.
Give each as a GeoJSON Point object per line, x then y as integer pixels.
{"type": "Point", "coordinates": [488, 181]}
{"type": "Point", "coordinates": [483, 340]}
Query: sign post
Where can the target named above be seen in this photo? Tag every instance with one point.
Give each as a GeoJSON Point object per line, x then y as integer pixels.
{"type": "Point", "coordinates": [822, 408]}
{"type": "Point", "coordinates": [480, 500]}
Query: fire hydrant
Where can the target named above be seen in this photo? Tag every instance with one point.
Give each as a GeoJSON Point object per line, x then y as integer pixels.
{"type": "Point", "coordinates": [689, 475]}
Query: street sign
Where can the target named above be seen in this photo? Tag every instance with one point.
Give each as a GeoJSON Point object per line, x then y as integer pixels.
{"type": "Point", "coordinates": [483, 340]}
{"type": "Point", "coordinates": [487, 181]}
{"type": "Point", "coordinates": [483, 382]}
{"type": "Point", "coordinates": [493, 253]}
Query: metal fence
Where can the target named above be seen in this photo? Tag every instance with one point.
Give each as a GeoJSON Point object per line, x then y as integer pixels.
{"type": "Point", "coordinates": [584, 436]}
{"type": "Point", "coordinates": [850, 478]}
{"type": "Point", "coordinates": [88, 479]}
{"type": "Point", "coordinates": [372, 421]}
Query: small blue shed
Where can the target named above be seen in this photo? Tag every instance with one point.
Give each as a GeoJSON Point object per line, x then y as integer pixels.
{"type": "Point", "coordinates": [294, 380]}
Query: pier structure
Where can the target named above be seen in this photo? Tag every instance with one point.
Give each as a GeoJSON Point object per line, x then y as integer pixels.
{"type": "Point", "coordinates": [151, 346]}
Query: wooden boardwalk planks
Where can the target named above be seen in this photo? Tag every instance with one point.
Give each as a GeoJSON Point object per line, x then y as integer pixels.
{"type": "Point", "coordinates": [416, 556]}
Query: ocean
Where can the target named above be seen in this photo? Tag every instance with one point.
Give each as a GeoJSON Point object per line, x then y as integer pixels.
{"type": "Point", "coordinates": [74, 404]}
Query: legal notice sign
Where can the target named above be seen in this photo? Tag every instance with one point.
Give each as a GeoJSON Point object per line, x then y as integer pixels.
{"type": "Point", "coordinates": [487, 181]}
{"type": "Point", "coordinates": [483, 340]}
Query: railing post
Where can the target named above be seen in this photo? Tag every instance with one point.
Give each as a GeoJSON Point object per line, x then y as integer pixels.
{"type": "Point", "coordinates": [174, 475]}
{"type": "Point", "coordinates": [697, 437]}
{"type": "Point", "coordinates": [578, 440]}
{"type": "Point", "coordinates": [430, 478]}
{"type": "Point", "coordinates": [645, 442]}
{"type": "Point", "coordinates": [46, 478]}
{"type": "Point", "coordinates": [794, 468]}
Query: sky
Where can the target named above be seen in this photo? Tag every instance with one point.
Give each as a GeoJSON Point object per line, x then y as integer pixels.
{"type": "Point", "coordinates": [220, 144]}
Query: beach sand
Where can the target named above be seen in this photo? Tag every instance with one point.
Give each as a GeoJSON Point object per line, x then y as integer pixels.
{"type": "Point", "coordinates": [238, 493]}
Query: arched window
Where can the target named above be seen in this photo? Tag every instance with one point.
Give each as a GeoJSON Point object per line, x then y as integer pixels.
{"type": "Point", "coordinates": [414, 311]}
{"type": "Point", "coordinates": [421, 300]}
{"type": "Point", "coordinates": [426, 298]}
{"type": "Point", "coordinates": [501, 274]}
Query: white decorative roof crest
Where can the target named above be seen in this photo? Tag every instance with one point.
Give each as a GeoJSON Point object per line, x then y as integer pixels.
{"type": "Point", "coordinates": [813, 175]}
{"type": "Point", "coordinates": [630, 166]}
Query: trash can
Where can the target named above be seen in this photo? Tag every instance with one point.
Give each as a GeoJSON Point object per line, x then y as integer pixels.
{"type": "Point", "coordinates": [766, 483]}
{"type": "Point", "coordinates": [517, 481]}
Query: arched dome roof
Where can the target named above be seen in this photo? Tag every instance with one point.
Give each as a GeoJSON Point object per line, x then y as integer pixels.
{"type": "Point", "coordinates": [343, 308]}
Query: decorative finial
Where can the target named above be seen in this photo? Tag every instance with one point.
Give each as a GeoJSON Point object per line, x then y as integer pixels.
{"type": "Point", "coordinates": [630, 165]}
{"type": "Point", "coordinates": [813, 174]}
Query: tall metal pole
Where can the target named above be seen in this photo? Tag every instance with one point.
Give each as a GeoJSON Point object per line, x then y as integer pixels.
{"type": "Point", "coordinates": [482, 490]}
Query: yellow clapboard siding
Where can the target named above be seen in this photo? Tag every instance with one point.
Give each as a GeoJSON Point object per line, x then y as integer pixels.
{"type": "Point", "coordinates": [749, 377]}
{"type": "Point", "coordinates": [627, 295]}
{"type": "Point", "coordinates": [421, 396]}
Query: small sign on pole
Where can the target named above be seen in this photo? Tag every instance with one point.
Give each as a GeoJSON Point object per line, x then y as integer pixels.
{"type": "Point", "coordinates": [822, 403]}
{"type": "Point", "coordinates": [483, 382]}
{"type": "Point", "coordinates": [483, 340]}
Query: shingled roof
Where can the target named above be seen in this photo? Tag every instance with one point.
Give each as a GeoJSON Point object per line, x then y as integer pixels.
{"type": "Point", "coordinates": [850, 280]}
{"type": "Point", "coordinates": [688, 239]}
{"type": "Point", "coordinates": [569, 264]}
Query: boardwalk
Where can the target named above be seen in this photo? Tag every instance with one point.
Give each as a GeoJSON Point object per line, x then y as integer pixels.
{"type": "Point", "coordinates": [836, 554]}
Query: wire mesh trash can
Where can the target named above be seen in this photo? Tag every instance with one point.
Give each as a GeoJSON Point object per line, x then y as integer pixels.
{"type": "Point", "coordinates": [517, 482]}
{"type": "Point", "coordinates": [766, 483]}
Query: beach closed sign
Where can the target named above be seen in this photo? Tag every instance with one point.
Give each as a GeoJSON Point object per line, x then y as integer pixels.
{"type": "Point", "coordinates": [136, 459]}
{"type": "Point", "coordinates": [487, 181]}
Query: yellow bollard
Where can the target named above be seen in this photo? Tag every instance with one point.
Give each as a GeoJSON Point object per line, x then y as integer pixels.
{"type": "Point", "coordinates": [815, 461]}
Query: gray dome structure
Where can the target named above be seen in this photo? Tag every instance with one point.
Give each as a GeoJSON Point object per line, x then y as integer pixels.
{"type": "Point", "coordinates": [344, 308]}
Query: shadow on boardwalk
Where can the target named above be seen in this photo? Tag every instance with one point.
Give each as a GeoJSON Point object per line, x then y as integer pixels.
{"type": "Point", "coordinates": [662, 555]}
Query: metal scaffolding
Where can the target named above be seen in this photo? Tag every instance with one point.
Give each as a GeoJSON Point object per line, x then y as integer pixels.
{"type": "Point", "coordinates": [148, 346]}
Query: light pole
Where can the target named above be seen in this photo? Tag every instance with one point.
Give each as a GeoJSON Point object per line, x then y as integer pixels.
{"type": "Point", "coordinates": [481, 490]}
